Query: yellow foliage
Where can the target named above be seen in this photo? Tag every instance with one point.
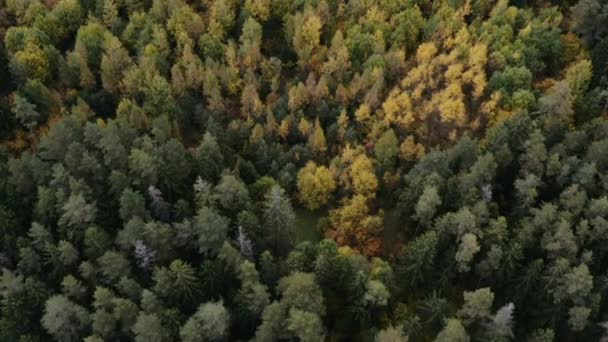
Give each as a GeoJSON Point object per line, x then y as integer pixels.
{"type": "Point", "coordinates": [373, 15]}
{"type": "Point", "coordinates": [32, 62]}
{"type": "Point", "coordinates": [321, 90]}
{"type": "Point", "coordinates": [454, 72]}
{"type": "Point", "coordinates": [398, 109]}
{"type": "Point", "coordinates": [479, 84]}
{"type": "Point", "coordinates": [342, 94]}
{"type": "Point", "coordinates": [363, 113]}
{"type": "Point", "coordinates": [271, 124]}
{"type": "Point", "coordinates": [234, 80]}
{"type": "Point", "coordinates": [260, 9]}
{"type": "Point", "coordinates": [311, 30]}
{"type": "Point", "coordinates": [478, 55]}
{"type": "Point", "coordinates": [307, 35]}
{"type": "Point", "coordinates": [362, 176]}
{"type": "Point", "coordinates": [338, 58]}
{"type": "Point", "coordinates": [251, 105]}
{"type": "Point", "coordinates": [346, 251]}
{"type": "Point", "coordinates": [298, 96]}
{"type": "Point", "coordinates": [431, 96]}
{"type": "Point", "coordinates": [257, 134]}
{"type": "Point", "coordinates": [451, 104]}
{"type": "Point", "coordinates": [354, 226]}
{"type": "Point", "coordinates": [410, 150]}
{"type": "Point", "coordinates": [317, 142]}
{"type": "Point", "coordinates": [425, 52]}
{"type": "Point", "coordinates": [315, 185]}
{"type": "Point", "coordinates": [284, 129]}
{"type": "Point", "coordinates": [348, 154]}
{"type": "Point", "coordinates": [304, 127]}
{"type": "Point", "coordinates": [342, 123]}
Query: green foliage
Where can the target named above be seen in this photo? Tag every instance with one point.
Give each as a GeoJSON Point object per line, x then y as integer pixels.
{"type": "Point", "coordinates": [386, 151]}
{"type": "Point", "coordinates": [477, 304]}
{"type": "Point", "coordinates": [211, 229]}
{"type": "Point", "coordinates": [148, 327]}
{"type": "Point", "coordinates": [30, 62]}
{"type": "Point", "coordinates": [65, 320]}
{"type": "Point", "coordinates": [279, 219]}
{"type": "Point", "coordinates": [231, 194]}
{"type": "Point", "coordinates": [178, 281]}
{"type": "Point", "coordinates": [210, 323]}
{"type": "Point", "coordinates": [428, 204]}
{"type": "Point", "coordinates": [113, 266]}
{"type": "Point", "coordinates": [64, 19]}
{"type": "Point", "coordinates": [416, 263]}
{"type": "Point", "coordinates": [26, 112]}
{"type": "Point", "coordinates": [298, 313]}
{"type": "Point", "coordinates": [114, 62]}
{"type": "Point", "coordinates": [452, 155]}
{"type": "Point", "coordinates": [209, 157]}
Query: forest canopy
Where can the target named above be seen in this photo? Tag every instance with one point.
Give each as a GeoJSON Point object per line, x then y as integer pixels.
{"type": "Point", "coordinates": [303, 170]}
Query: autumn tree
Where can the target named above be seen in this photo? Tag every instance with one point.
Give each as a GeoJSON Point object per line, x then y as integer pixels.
{"type": "Point", "coordinates": [30, 62]}
{"type": "Point", "coordinates": [251, 39]}
{"type": "Point", "coordinates": [316, 141]}
{"type": "Point", "coordinates": [305, 33]}
{"type": "Point", "coordinates": [362, 177]}
{"type": "Point", "coordinates": [315, 185]}
{"type": "Point", "coordinates": [446, 73]}
{"type": "Point", "coordinates": [356, 226]}
{"type": "Point", "coordinates": [114, 62]}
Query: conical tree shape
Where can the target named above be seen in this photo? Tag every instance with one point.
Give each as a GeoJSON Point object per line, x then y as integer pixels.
{"type": "Point", "coordinates": [316, 141]}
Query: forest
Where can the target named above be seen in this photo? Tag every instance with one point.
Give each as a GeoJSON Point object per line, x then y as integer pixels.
{"type": "Point", "coordinates": [304, 170]}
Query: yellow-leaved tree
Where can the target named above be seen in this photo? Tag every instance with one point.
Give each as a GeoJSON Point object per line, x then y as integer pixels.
{"type": "Point", "coordinates": [315, 185]}
{"type": "Point", "coordinates": [316, 141]}
{"type": "Point", "coordinates": [354, 223]}
{"type": "Point", "coordinates": [444, 94]}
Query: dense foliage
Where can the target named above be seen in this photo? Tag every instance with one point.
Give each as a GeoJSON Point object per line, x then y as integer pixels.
{"type": "Point", "coordinates": [264, 170]}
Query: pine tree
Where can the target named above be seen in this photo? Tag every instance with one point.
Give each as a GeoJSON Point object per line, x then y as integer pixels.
{"type": "Point", "coordinates": [279, 219]}
{"type": "Point", "coordinates": [26, 112]}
